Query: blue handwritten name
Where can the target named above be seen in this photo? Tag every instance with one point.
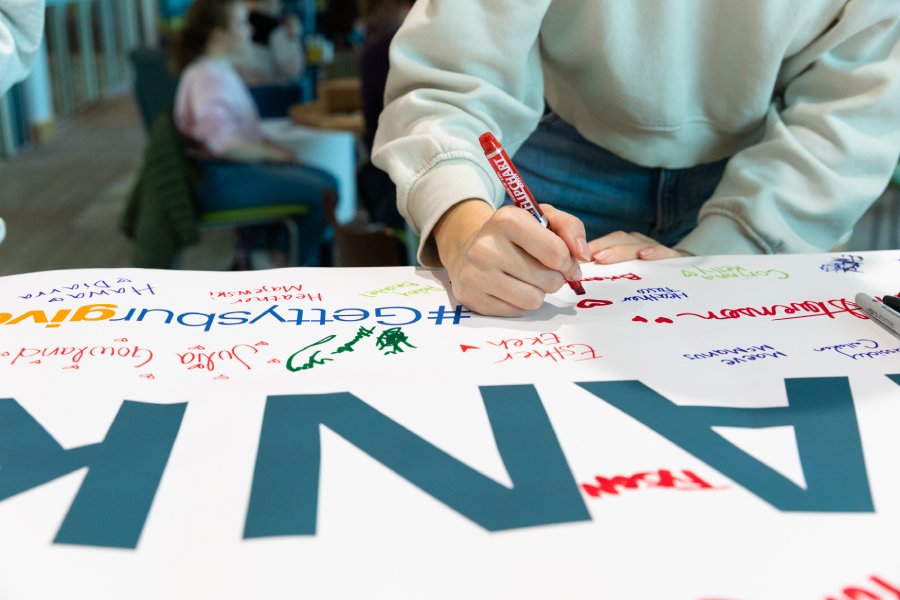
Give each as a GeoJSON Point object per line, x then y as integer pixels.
{"type": "Point", "coordinates": [88, 290]}
{"type": "Point", "coordinates": [655, 295]}
{"type": "Point", "coordinates": [845, 263]}
{"type": "Point", "coordinates": [868, 349]}
{"type": "Point", "coordinates": [739, 354]}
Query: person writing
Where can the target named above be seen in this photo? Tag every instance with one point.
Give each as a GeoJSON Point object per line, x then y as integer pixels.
{"type": "Point", "coordinates": [214, 108]}
{"type": "Point", "coordinates": [675, 128]}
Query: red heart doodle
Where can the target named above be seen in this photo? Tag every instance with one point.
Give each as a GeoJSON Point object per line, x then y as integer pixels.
{"type": "Point", "coordinates": [591, 303]}
{"type": "Point", "coordinates": [639, 319]}
{"type": "Point", "coordinates": [274, 361]}
{"type": "Point", "coordinates": [663, 320]}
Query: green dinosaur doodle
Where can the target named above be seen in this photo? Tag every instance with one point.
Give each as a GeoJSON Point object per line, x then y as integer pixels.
{"type": "Point", "coordinates": [392, 337]}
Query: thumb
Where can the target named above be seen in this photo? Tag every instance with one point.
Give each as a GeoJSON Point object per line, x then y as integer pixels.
{"type": "Point", "coordinates": [570, 229]}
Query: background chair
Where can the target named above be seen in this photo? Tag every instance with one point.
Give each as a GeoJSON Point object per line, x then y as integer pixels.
{"type": "Point", "coordinates": [162, 215]}
{"type": "Point", "coordinates": [369, 245]}
{"type": "Point", "coordinates": [154, 83]}
{"type": "Point", "coordinates": [154, 90]}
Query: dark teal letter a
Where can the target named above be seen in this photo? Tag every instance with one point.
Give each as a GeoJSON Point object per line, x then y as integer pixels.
{"type": "Point", "coordinates": [123, 470]}
{"type": "Point", "coordinates": [284, 495]}
{"type": "Point", "coordinates": [821, 411]}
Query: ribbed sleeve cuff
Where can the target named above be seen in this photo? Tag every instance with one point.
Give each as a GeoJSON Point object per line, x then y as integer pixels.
{"type": "Point", "coordinates": [444, 185]}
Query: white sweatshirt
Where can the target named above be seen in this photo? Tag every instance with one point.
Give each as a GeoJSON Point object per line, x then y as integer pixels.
{"type": "Point", "coordinates": [804, 95]}
{"type": "Point", "coordinates": [21, 29]}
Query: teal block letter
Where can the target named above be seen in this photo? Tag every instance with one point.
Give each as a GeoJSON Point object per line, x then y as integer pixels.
{"type": "Point", "coordinates": [820, 410]}
{"type": "Point", "coordinates": [284, 495]}
{"type": "Point", "coordinates": [124, 470]}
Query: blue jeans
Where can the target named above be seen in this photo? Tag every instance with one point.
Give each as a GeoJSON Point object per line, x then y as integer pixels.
{"type": "Point", "coordinates": [231, 185]}
{"type": "Point", "coordinates": [609, 193]}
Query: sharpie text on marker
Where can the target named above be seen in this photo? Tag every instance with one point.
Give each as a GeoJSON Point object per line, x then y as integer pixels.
{"type": "Point", "coordinates": [509, 176]}
{"type": "Point", "coordinates": [515, 186]}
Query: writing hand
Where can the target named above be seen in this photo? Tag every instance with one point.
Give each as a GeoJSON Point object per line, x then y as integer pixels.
{"type": "Point", "coordinates": [620, 246]}
{"type": "Point", "coordinates": [504, 262]}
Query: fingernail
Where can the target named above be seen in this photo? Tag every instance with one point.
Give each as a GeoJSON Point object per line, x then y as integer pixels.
{"type": "Point", "coordinates": [645, 252]}
{"type": "Point", "coordinates": [576, 275]}
{"type": "Point", "coordinates": [601, 255]}
{"type": "Point", "coordinates": [584, 252]}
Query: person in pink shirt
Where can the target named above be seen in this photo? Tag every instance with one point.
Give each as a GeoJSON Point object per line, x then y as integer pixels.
{"type": "Point", "coordinates": [214, 109]}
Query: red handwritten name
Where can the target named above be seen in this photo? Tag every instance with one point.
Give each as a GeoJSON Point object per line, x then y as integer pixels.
{"type": "Point", "coordinates": [263, 289]}
{"type": "Point", "coordinates": [794, 310]}
{"type": "Point", "coordinates": [279, 298]}
{"type": "Point", "coordinates": [74, 354]}
{"type": "Point", "coordinates": [545, 345]}
{"type": "Point", "coordinates": [199, 357]}
{"type": "Point", "coordinates": [883, 591]}
{"type": "Point", "coordinates": [664, 478]}
{"type": "Point", "coordinates": [630, 276]}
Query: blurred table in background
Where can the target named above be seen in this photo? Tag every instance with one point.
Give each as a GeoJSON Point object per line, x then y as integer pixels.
{"type": "Point", "coordinates": [331, 151]}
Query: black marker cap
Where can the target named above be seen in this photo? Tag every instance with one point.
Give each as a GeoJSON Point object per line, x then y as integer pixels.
{"type": "Point", "coordinates": [892, 302]}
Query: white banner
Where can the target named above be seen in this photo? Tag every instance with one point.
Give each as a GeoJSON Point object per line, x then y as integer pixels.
{"type": "Point", "coordinates": [704, 428]}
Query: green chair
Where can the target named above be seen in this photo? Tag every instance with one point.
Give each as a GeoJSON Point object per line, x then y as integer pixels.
{"type": "Point", "coordinates": [162, 217]}
{"type": "Point", "coordinates": [162, 223]}
{"type": "Point", "coordinates": [154, 84]}
{"type": "Point", "coordinates": [269, 215]}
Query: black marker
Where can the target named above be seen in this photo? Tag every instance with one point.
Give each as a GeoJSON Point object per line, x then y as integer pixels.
{"type": "Point", "coordinates": [892, 302]}
{"type": "Point", "coordinates": [879, 312]}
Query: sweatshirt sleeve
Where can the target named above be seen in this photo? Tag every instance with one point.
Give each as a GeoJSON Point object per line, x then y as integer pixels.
{"type": "Point", "coordinates": [21, 28]}
{"type": "Point", "coordinates": [829, 147]}
{"type": "Point", "coordinates": [458, 68]}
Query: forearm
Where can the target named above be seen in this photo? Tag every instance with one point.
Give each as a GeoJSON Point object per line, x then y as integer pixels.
{"type": "Point", "coordinates": [242, 150]}
{"type": "Point", "coordinates": [438, 103]}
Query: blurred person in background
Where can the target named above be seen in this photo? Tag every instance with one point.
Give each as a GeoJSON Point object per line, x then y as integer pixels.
{"type": "Point", "coordinates": [213, 108]}
{"type": "Point", "coordinates": [338, 22]}
{"type": "Point", "coordinates": [383, 18]}
{"type": "Point", "coordinates": [275, 54]}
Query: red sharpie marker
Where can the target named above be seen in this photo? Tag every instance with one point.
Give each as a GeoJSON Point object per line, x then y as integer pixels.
{"type": "Point", "coordinates": [515, 186]}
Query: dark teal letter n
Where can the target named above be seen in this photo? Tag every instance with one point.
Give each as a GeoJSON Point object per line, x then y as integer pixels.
{"type": "Point", "coordinates": [284, 497]}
